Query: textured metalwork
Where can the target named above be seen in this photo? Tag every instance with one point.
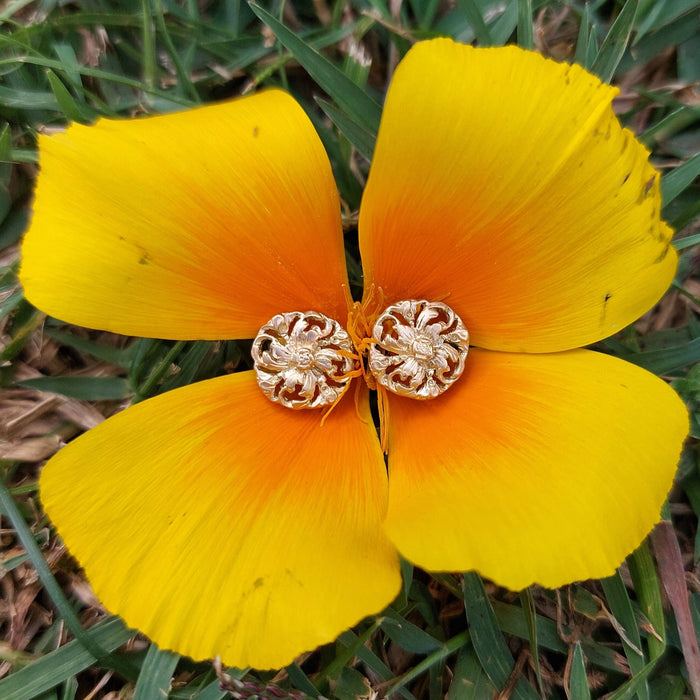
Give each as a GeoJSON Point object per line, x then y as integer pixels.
{"type": "Point", "coordinates": [303, 359]}
{"type": "Point", "coordinates": [419, 348]}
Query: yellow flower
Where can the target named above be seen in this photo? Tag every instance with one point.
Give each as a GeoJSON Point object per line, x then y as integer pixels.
{"type": "Point", "coordinates": [219, 522]}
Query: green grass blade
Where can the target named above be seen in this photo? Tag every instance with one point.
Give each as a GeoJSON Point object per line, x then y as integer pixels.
{"type": "Point", "coordinates": [301, 681]}
{"type": "Point", "coordinates": [159, 371]}
{"type": "Point", "coordinates": [527, 603]}
{"type": "Point", "coordinates": [115, 356]}
{"type": "Point", "coordinates": [676, 181]}
{"type": "Point", "coordinates": [581, 55]}
{"type": "Point", "coordinates": [615, 43]}
{"type": "Point", "coordinates": [156, 674]}
{"type": "Point", "coordinates": [353, 100]}
{"type": "Point", "coordinates": [525, 36]}
{"type": "Point", "coordinates": [149, 61]}
{"type": "Point", "coordinates": [668, 359]}
{"type": "Point", "coordinates": [342, 658]}
{"type": "Point", "coordinates": [687, 242]}
{"type": "Point", "coordinates": [183, 76]}
{"type": "Point", "coordinates": [82, 388]}
{"type": "Point", "coordinates": [449, 648]}
{"type": "Point", "coordinates": [407, 635]}
{"type": "Point", "coordinates": [212, 692]}
{"type": "Point", "coordinates": [625, 624]}
{"type": "Point", "coordinates": [476, 21]}
{"type": "Point", "coordinates": [578, 684]}
{"type": "Point", "coordinates": [469, 681]}
{"type": "Point", "coordinates": [371, 660]}
{"type": "Point", "coordinates": [490, 647]}
{"type": "Point", "coordinates": [629, 689]}
{"type": "Point", "coordinates": [26, 538]}
{"type": "Point", "coordinates": [648, 590]}
{"type": "Point", "coordinates": [63, 663]}
{"type": "Point", "coordinates": [65, 100]}
{"type": "Point", "coordinates": [360, 138]}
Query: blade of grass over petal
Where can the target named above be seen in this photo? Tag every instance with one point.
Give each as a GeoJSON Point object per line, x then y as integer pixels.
{"type": "Point", "coordinates": [615, 43]}
{"type": "Point", "coordinates": [487, 638]}
{"type": "Point", "coordinates": [360, 138]}
{"type": "Point", "coordinates": [63, 663]}
{"type": "Point", "coordinates": [156, 674]}
{"type": "Point", "coordinates": [578, 680]}
{"type": "Point", "coordinates": [351, 98]}
{"type": "Point", "coordinates": [676, 181]}
{"type": "Point", "coordinates": [646, 586]}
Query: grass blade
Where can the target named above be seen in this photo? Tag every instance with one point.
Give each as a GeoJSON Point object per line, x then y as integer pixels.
{"type": "Point", "coordinates": [42, 568]}
{"type": "Point", "coordinates": [525, 36]}
{"type": "Point", "coordinates": [615, 43]}
{"type": "Point", "coordinates": [63, 663]}
{"type": "Point", "coordinates": [476, 21]}
{"type": "Point", "coordinates": [361, 139]}
{"type": "Point", "coordinates": [584, 33]}
{"type": "Point", "coordinates": [490, 647]}
{"type": "Point", "coordinates": [528, 605]}
{"type": "Point", "coordinates": [675, 182]}
{"type": "Point", "coordinates": [578, 680]}
{"type": "Point", "coordinates": [667, 359]}
{"type": "Point", "coordinates": [646, 586]}
{"type": "Point", "coordinates": [82, 388]}
{"type": "Point", "coordinates": [351, 98]}
{"type": "Point", "coordinates": [156, 674]}
{"type": "Point", "coordinates": [623, 613]}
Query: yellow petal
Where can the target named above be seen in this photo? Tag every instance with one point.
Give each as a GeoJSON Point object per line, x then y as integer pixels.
{"type": "Point", "coordinates": [197, 225]}
{"type": "Point", "coordinates": [219, 523]}
{"type": "Point", "coordinates": [504, 184]}
{"type": "Point", "coordinates": [533, 468]}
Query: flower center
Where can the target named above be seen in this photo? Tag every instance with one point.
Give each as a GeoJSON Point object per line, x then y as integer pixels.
{"type": "Point", "coordinates": [418, 348]}
{"type": "Point", "coordinates": [303, 359]}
